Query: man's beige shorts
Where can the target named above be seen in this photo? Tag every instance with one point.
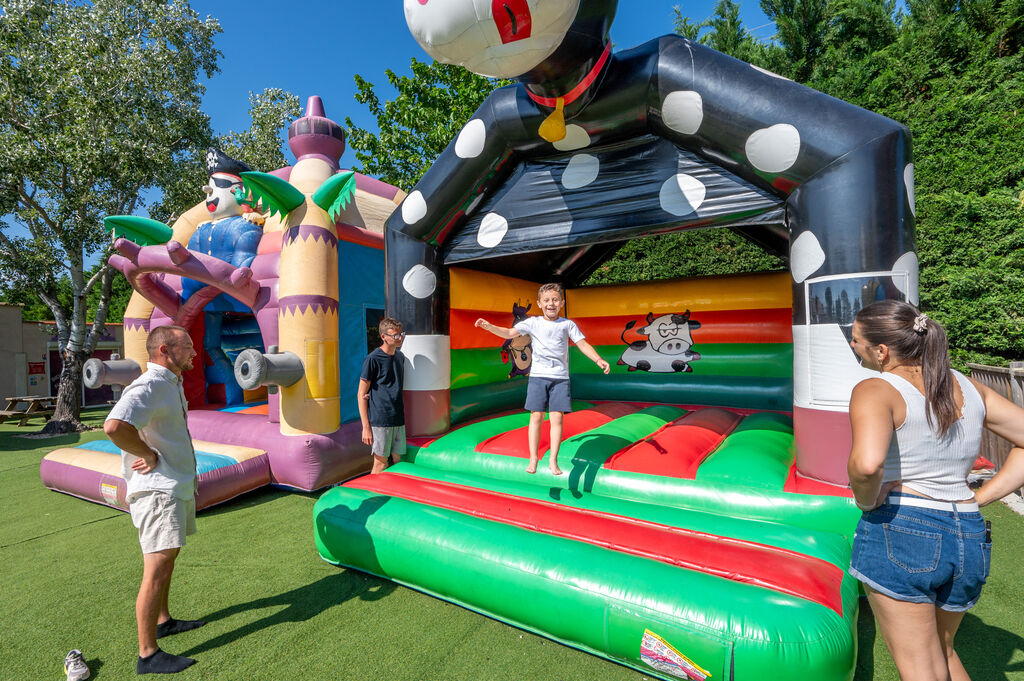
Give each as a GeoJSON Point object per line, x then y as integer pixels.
{"type": "Point", "coordinates": [163, 520]}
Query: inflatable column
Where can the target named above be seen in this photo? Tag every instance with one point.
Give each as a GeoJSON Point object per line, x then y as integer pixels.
{"type": "Point", "coordinates": [418, 297]}
{"type": "Point", "coordinates": [308, 284]}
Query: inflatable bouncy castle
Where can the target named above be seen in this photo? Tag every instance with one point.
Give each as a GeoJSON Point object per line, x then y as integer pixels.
{"type": "Point", "coordinates": [702, 527]}
{"type": "Point", "coordinates": [280, 280]}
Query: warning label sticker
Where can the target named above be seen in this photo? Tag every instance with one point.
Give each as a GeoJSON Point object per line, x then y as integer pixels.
{"type": "Point", "coordinates": [109, 493]}
{"type": "Point", "coordinates": [663, 657]}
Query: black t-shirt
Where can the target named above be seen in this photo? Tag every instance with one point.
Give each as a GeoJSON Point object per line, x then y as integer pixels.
{"type": "Point", "coordinates": [385, 373]}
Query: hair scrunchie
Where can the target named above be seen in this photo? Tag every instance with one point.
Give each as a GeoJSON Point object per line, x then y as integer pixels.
{"type": "Point", "coordinates": [921, 323]}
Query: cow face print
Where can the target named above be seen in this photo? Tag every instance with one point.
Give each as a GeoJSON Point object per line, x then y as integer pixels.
{"type": "Point", "coordinates": [663, 346]}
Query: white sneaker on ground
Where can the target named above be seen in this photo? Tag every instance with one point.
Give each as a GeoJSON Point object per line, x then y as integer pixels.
{"type": "Point", "coordinates": [75, 666]}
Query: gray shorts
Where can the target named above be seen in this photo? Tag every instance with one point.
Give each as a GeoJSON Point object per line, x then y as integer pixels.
{"type": "Point", "coordinates": [163, 520]}
{"type": "Point", "coordinates": [548, 394]}
{"type": "Point", "coordinates": [388, 440]}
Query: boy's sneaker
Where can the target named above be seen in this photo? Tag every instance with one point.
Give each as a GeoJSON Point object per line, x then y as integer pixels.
{"type": "Point", "coordinates": [75, 666]}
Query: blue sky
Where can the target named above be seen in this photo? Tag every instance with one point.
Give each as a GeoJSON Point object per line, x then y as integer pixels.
{"type": "Point", "coordinates": [317, 48]}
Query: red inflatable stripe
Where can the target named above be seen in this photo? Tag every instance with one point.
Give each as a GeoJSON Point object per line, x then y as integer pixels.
{"type": "Point", "coordinates": [464, 333]}
{"type": "Point", "coordinates": [516, 442]}
{"type": "Point", "coordinates": [798, 484]}
{"type": "Point", "coordinates": [677, 450]}
{"type": "Point", "coordinates": [748, 562]}
{"type": "Point", "coordinates": [771, 325]}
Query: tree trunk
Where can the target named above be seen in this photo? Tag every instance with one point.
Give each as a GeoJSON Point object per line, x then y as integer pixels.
{"type": "Point", "coordinates": [67, 414]}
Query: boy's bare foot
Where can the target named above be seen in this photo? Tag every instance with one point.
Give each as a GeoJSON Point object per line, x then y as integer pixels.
{"type": "Point", "coordinates": [532, 468]}
{"type": "Point", "coordinates": [555, 470]}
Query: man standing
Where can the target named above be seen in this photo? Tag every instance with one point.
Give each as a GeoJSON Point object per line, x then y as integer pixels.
{"type": "Point", "coordinates": [149, 424]}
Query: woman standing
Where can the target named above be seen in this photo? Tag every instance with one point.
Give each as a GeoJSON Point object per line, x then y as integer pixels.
{"type": "Point", "coordinates": [921, 548]}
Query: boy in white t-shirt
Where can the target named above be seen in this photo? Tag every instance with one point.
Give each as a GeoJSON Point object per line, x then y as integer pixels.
{"type": "Point", "coordinates": [548, 389]}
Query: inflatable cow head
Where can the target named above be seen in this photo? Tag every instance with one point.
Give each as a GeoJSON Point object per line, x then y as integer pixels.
{"type": "Point", "coordinates": [548, 42]}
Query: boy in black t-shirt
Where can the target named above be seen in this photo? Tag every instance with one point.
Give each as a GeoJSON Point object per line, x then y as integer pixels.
{"type": "Point", "coordinates": [380, 397]}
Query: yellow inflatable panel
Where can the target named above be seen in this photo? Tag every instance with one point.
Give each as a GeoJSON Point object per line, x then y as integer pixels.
{"type": "Point", "coordinates": [236, 452]}
{"type": "Point", "coordinates": [739, 292]}
{"type": "Point", "coordinates": [472, 290]}
{"type": "Point", "coordinates": [88, 459]}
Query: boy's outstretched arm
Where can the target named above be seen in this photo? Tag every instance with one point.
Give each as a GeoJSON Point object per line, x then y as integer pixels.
{"type": "Point", "coordinates": [363, 398]}
{"type": "Point", "coordinates": [588, 350]}
{"type": "Point", "coordinates": [497, 330]}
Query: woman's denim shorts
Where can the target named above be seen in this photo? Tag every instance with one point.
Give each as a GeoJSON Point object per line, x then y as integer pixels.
{"type": "Point", "coordinates": [922, 555]}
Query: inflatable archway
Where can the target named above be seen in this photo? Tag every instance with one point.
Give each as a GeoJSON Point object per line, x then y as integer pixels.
{"type": "Point", "coordinates": [706, 476]}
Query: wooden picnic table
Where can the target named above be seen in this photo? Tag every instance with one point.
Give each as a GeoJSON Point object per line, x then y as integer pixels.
{"type": "Point", "coordinates": [35, 405]}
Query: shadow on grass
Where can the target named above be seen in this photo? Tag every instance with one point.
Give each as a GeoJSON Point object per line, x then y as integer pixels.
{"type": "Point", "coordinates": [302, 604]}
{"type": "Point", "coordinates": [257, 497]}
{"type": "Point", "coordinates": [11, 442]}
{"type": "Point", "coordinates": [306, 602]}
{"type": "Point", "coordinates": [866, 634]}
{"type": "Point", "coordinates": [986, 651]}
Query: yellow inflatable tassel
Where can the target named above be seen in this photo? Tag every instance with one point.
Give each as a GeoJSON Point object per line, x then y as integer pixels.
{"type": "Point", "coordinates": [553, 127]}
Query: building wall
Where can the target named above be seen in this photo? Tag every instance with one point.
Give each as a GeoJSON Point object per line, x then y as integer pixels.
{"type": "Point", "coordinates": [29, 360]}
{"type": "Point", "coordinates": [12, 354]}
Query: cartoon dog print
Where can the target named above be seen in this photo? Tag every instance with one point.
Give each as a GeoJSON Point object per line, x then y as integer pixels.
{"type": "Point", "coordinates": [518, 351]}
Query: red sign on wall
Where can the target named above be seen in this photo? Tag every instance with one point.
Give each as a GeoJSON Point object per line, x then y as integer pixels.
{"type": "Point", "coordinates": [37, 367]}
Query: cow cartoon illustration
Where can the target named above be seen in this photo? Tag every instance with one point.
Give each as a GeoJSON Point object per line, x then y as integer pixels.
{"type": "Point", "coordinates": [666, 348]}
{"type": "Point", "coordinates": [518, 351]}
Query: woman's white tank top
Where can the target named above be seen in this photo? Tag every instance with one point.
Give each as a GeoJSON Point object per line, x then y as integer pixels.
{"type": "Point", "coordinates": [937, 467]}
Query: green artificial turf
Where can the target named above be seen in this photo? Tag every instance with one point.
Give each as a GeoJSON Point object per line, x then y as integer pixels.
{"type": "Point", "coordinates": [69, 572]}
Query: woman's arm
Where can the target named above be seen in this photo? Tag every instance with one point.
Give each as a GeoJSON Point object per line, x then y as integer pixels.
{"type": "Point", "coordinates": [1009, 479]}
{"type": "Point", "coordinates": [871, 421]}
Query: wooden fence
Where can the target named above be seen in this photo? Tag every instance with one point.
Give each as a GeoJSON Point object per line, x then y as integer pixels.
{"type": "Point", "coordinates": [1008, 382]}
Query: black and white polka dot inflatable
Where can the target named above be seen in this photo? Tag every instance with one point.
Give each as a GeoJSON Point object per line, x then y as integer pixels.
{"type": "Point", "coordinates": [593, 147]}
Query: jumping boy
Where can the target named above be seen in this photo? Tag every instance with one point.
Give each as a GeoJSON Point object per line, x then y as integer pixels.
{"type": "Point", "coordinates": [380, 397]}
{"type": "Point", "coordinates": [548, 388]}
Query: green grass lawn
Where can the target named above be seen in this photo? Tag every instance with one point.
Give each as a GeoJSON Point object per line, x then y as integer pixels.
{"type": "Point", "coordinates": [70, 569]}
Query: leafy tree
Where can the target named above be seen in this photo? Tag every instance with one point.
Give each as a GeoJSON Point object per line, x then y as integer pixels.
{"type": "Point", "coordinates": [36, 310]}
{"type": "Point", "coordinates": [692, 253]}
{"type": "Point", "coordinates": [722, 31]}
{"type": "Point", "coordinates": [432, 106]}
{"type": "Point", "coordinates": [259, 147]}
{"type": "Point", "coordinates": [800, 28]}
{"type": "Point", "coordinates": [98, 101]}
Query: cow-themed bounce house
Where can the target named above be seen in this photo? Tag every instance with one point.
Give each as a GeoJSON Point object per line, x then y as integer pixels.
{"type": "Point", "coordinates": [278, 278]}
{"type": "Point", "coordinates": [702, 527]}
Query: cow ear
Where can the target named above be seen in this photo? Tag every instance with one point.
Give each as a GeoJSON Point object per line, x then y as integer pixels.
{"type": "Point", "coordinates": [650, 317]}
{"type": "Point", "coordinates": [693, 324]}
{"type": "Point", "coordinates": [630, 324]}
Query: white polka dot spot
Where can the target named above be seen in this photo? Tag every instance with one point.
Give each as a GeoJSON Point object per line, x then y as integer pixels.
{"type": "Point", "coordinates": [683, 111]}
{"type": "Point", "coordinates": [471, 140]}
{"type": "Point", "coordinates": [769, 73]}
{"type": "Point", "coordinates": [682, 194]}
{"type": "Point", "coordinates": [805, 256]}
{"type": "Point", "coordinates": [419, 282]}
{"type": "Point", "coordinates": [492, 230]}
{"type": "Point", "coordinates": [907, 265]}
{"type": "Point", "coordinates": [773, 149]}
{"type": "Point", "coordinates": [414, 208]}
{"type": "Point", "coordinates": [908, 182]}
{"type": "Point", "coordinates": [575, 138]}
{"type": "Point", "coordinates": [581, 171]}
